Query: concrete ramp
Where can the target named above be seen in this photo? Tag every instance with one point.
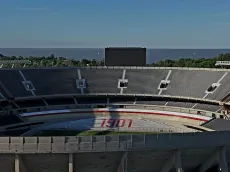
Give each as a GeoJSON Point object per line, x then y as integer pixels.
{"type": "Point", "coordinates": [218, 124]}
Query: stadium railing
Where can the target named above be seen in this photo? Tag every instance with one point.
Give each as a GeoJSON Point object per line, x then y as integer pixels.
{"type": "Point", "coordinates": [118, 95]}
{"type": "Point", "coordinates": [127, 67]}
{"type": "Point", "coordinates": [145, 129]}
{"type": "Point", "coordinates": [142, 67]}
{"type": "Point", "coordinates": [126, 106]}
{"type": "Point", "coordinates": [19, 109]}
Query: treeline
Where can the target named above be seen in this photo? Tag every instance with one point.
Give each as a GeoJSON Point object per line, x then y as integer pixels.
{"type": "Point", "coordinates": [190, 62]}
{"type": "Point", "coordinates": [53, 61]}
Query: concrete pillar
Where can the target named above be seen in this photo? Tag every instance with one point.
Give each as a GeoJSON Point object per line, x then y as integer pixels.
{"type": "Point", "coordinates": [125, 162]}
{"type": "Point", "coordinates": [22, 164]}
{"type": "Point", "coordinates": [218, 157]}
{"type": "Point", "coordinates": [123, 166]}
{"type": "Point", "coordinates": [168, 164]}
{"type": "Point", "coordinates": [223, 166]}
{"type": "Point", "coordinates": [70, 162]}
{"type": "Point", "coordinates": [178, 163]}
{"type": "Point", "coordinates": [174, 161]}
{"type": "Point", "coordinates": [208, 163]}
{"type": "Point", "coordinates": [16, 163]}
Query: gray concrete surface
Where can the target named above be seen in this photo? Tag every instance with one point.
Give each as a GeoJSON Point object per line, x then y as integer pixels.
{"type": "Point", "coordinates": [138, 153]}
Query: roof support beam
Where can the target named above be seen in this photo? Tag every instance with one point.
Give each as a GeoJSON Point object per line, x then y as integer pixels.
{"type": "Point", "coordinates": [16, 163]}
{"type": "Point", "coordinates": [70, 162]}
{"type": "Point", "coordinates": [174, 161]}
{"type": "Point", "coordinates": [208, 163]}
{"type": "Point", "coordinates": [19, 164]}
{"type": "Point", "coordinates": [219, 158]}
{"type": "Point", "coordinates": [222, 160]}
{"type": "Point", "coordinates": [178, 162]}
{"type": "Point", "coordinates": [122, 167]}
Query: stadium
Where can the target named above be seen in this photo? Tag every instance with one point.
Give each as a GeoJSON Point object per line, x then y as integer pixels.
{"type": "Point", "coordinates": [120, 119]}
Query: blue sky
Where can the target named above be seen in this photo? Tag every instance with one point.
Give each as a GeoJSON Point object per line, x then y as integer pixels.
{"type": "Point", "coordinates": [102, 23]}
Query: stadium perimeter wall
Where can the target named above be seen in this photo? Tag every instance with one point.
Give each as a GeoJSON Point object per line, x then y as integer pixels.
{"type": "Point", "coordinates": [97, 153]}
{"type": "Point", "coordinates": [115, 113]}
{"type": "Point", "coordinates": [114, 143]}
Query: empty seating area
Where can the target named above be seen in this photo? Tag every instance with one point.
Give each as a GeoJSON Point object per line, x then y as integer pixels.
{"type": "Point", "coordinates": [175, 82]}
{"type": "Point", "coordinates": [187, 83]}
{"type": "Point", "coordinates": [144, 81]}
{"type": "Point", "coordinates": [212, 108]}
{"type": "Point", "coordinates": [222, 90]}
{"type": "Point", "coordinates": [101, 80]}
{"type": "Point", "coordinates": [191, 83]}
{"type": "Point", "coordinates": [11, 84]}
{"type": "Point", "coordinates": [181, 104]}
{"type": "Point", "coordinates": [52, 81]}
{"type": "Point", "coordinates": [9, 119]}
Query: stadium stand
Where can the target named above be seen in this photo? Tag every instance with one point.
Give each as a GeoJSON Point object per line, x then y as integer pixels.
{"type": "Point", "coordinates": [9, 119]}
{"type": "Point", "coordinates": [101, 81]}
{"type": "Point", "coordinates": [181, 104]}
{"type": "Point", "coordinates": [222, 90]}
{"type": "Point", "coordinates": [137, 81]}
{"type": "Point", "coordinates": [212, 108]}
{"type": "Point", "coordinates": [188, 83]}
{"type": "Point", "coordinates": [191, 83]}
{"type": "Point", "coordinates": [176, 82]}
{"type": "Point", "coordinates": [11, 82]}
{"type": "Point", "coordinates": [44, 82]}
{"type": "Point", "coordinates": [170, 92]}
{"type": "Point", "coordinates": [52, 81]}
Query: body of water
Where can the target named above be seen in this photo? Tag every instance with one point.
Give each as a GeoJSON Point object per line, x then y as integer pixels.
{"type": "Point", "coordinates": [153, 55]}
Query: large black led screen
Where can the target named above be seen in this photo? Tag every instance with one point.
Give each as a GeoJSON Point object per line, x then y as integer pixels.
{"type": "Point", "coordinates": [125, 56]}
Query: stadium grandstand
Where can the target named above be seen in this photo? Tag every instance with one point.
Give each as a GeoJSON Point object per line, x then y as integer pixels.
{"type": "Point", "coordinates": [123, 119]}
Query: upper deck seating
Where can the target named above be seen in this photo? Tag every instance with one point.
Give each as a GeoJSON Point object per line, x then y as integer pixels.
{"type": "Point", "coordinates": [50, 81]}
{"type": "Point", "coordinates": [11, 81]}
{"type": "Point", "coordinates": [101, 80]}
{"type": "Point", "coordinates": [187, 83]}
{"type": "Point", "coordinates": [53, 81]}
{"type": "Point", "coordinates": [144, 81]}
{"type": "Point", "coordinates": [222, 90]}
{"type": "Point", "coordinates": [191, 83]}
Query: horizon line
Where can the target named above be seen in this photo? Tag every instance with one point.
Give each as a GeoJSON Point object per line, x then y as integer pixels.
{"type": "Point", "coordinates": [110, 47]}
